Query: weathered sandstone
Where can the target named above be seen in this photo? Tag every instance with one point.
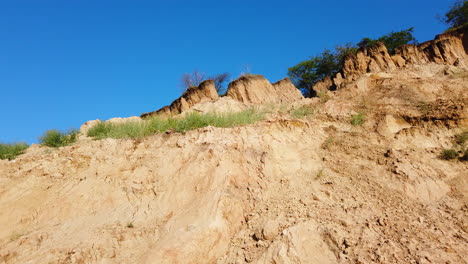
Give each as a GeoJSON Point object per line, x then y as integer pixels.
{"type": "Point", "coordinates": [205, 92]}
{"type": "Point", "coordinates": [257, 89]}
{"type": "Point", "coordinates": [450, 48]}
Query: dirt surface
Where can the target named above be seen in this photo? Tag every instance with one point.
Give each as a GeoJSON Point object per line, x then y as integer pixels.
{"type": "Point", "coordinates": [307, 190]}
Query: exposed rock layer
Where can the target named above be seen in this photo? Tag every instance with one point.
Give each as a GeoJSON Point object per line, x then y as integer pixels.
{"type": "Point", "coordinates": [257, 90]}
{"type": "Point", "coordinates": [206, 91]}
{"type": "Point", "coordinates": [449, 48]}
{"type": "Point", "coordinates": [248, 89]}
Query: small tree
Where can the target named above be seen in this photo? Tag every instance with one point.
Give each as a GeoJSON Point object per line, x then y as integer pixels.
{"type": "Point", "coordinates": [457, 16]}
{"type": "Point", "coordinates": [194, 79]}
{"type": "Point", "coordinates": [220, 81]}
{"type": "Point", "coordinates": [392, 40]}
{"type": "Point", "coordinates": [305, 74]}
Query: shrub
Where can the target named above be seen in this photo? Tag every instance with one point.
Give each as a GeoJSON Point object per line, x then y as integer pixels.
{"type": "Point", "coordinates": [158, 125]}
{"type": "Point", "coordinates": [302, 112]}
{"type": "Point", "coordinates": [194, 79]}
{"type": "Point", "coordinates": [457, 16]}
{"type": "Point", "coordinates": [12, 150]}
{"type": "Point", "coordinates": [461, 138]}
{"type": "Point", "coordinates": [54, 138]}
{"type": "Point", "coordinates": [358, 119]}
{"type": "Point", "coordinates": [448, 154]}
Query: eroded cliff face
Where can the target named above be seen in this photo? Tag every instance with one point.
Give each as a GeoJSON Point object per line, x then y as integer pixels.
{"type": "Point", "coordinates": [310, 189]}
{"type": "Point", "coordinates": [450, 48]}
{"type": "Point", "coordinates": [256, 89]}
{"type": "Point", "coordinates": [284, 190]}
{"type": "Point", "coordinates": [205, 92]}
{"type": "Point", "coordinates": [247, 90]}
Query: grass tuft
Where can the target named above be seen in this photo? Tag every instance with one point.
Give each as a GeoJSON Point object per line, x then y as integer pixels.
{"type": "Point", "coordinates": [12, 150]}
{"type": "Point", "coordinates": [302, 112]}
{"type": "Point", "coordinates": [448, 154]}
{"type": "Point", "coordinates": [158, 125]}
{"type": "Point", "coordinates": [54, 138]}
{"type": "Point", "coordinates": [324, 97]}
{"type": "Point", "coordinates": [358, 119]}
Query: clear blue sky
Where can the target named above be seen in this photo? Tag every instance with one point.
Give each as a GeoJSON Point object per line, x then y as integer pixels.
{"type": "Point", "coordinates": [65, 62]}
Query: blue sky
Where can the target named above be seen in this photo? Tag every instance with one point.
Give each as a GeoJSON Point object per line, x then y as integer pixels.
{"type": "Point", "coordinates": [65, 62]}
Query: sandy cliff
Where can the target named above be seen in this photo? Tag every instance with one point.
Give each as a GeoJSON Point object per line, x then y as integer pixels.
{"type": "Point", "coordinates": [449, 48]}
{"type": "Point", "coordinates": [284, 190]}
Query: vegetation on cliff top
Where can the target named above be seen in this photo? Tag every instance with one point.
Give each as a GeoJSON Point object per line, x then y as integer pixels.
{"type": "Point", "coordinates": [12, 150]}
{"type": "Point", "coordinates": [305, 74]}
{"type": "Point", "coordinates": [139, 129]}
{"type": "Point", "coordinates": [54, 138]}
{"type": "Point", "coordinates": [457, 16]}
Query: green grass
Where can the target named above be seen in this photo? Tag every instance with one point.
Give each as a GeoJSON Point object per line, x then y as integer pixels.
{"type": "Point", "coordinates": [159, 125]}
{"type": "Point", "coordinates": [302, 112]}
{"type": "Point", "coordinates": [448, 154]}
{"type": "Point", "coordinates": [54, 138]}
{"type": "Point", "coordinates": [358, 119]}
{"type": "Point", "coordinates": [11, 151]}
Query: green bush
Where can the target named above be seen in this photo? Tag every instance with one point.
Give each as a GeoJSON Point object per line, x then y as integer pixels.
{"type": "Point", "coordinates": [448, 154]}
{"type": "Point", "coordinates": [358, 119]}
{"type": "Point", "coordinates": [302, 112]}
{"type": "Point", "coordinates": [158, 125]}
{"type": "Point", "coordinates": [11, 151]}
{"type": "Point", "coordinates": [461, 138]}
{"type": "Point", "coordinates": [457, 16]}
{"type": "Point", "coordinates": [54, 138]}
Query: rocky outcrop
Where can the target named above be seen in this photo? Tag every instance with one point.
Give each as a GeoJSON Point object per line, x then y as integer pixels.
{"type": "Point", "coordinates": [206, 91]}
{"type": "Point", "coordinates": [450, 48]}
{"type": "Point", "coordinates": [257, 89]}
{"type": "Point", "coordinates": [248, 89]}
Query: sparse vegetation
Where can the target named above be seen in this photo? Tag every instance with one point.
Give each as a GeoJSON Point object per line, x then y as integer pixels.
{"type": "Point", "coordinates": [16, 235]}
{"type": "Point", "coordinates": [324, 97]}
{"type": "Point", "coordinates": [302, 111]}
{"type": "Point", "coordinates": [305, 74]}
{"type": "Point", "coordinates": [328, 143]}
{"type": "Point", "coordinates": [448, 154]}
{"type": "Point", "coordinates": [54, 138]}
{"type": "Point", "coordinates": [358, 119]}
{"type": "Point", "coordinates": [11, 151]}
{"type": "Point", "coordinates": [189, 80]}
{"type": "Point", "coordinates": [130, 225]}
{"type": "Point", "coordinates": [158, 125]}
{"type": "Point", "coordinates": [392, 40]}
{"type": "Point", "coordinates": [423, 107]}
{"type": "Point", "coordinates": [459, 148]}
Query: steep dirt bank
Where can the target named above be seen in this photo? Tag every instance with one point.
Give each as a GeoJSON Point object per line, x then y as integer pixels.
{"type": "Point", "coordinates": [284, 190]}
{"type": "Point", "coordinates": [317, 190]}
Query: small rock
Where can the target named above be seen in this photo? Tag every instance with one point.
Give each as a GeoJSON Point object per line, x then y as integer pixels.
{"type": "Point", "coordinates": [270, 229]}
